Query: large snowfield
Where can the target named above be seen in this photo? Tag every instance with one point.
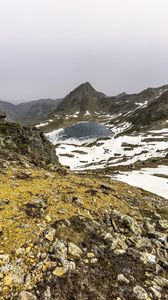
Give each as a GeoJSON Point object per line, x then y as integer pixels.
{"type": "Point", "coordinates": [81, 155]}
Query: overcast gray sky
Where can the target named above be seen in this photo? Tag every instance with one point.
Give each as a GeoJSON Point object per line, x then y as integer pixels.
{"type": "Point", "coordinates": [48, 47]}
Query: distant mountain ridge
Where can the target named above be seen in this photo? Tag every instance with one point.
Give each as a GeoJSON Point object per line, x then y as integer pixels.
{"type": "Point", "coordinates": [85, 98]}
{"type": "Point", "coordinates": [29, 112]}
{"type": "Point", "coordinates": [85, 102]}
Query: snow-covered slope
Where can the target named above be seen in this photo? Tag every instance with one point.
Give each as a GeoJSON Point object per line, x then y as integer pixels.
{"type": "Point", "coordinates": [154, 180]}
{"type": "Point", "coordinates": [109, 151]}
{"type": "Point", "coordinates": [127, 154]}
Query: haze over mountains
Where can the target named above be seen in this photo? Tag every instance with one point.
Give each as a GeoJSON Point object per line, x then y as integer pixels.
{"type": "Point", "coordinates": [144, 108]}
{"type": "Point", "coordinates": [29, 111]}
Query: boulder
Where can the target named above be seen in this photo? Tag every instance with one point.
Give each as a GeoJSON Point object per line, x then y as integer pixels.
{"type": "Point", "coordinates": [140, 293]}
{"type": "Point", "coordinates": [26, 296]}
{"type": "Point", "coordinates": [74, 252]}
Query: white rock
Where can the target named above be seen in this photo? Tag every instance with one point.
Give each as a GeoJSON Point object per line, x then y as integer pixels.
{"type": "Point", "coordinates": [148, 258]}
{"type": "Point", "coordinates": [122, 278]}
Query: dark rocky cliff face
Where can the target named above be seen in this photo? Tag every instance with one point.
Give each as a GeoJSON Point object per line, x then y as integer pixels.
{"type": "Point", "coordinates": [18, 142]}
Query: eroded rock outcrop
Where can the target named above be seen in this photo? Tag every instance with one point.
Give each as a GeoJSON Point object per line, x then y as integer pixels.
{"type": "Point", "coordinates": [25, 144]}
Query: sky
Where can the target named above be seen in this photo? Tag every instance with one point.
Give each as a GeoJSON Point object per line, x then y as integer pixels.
{"type": "Point", "coordinates": [48, 47]}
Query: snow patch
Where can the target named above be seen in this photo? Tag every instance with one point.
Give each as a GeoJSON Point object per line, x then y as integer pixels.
{"type": "Point", "coordinates": [146, 179]}
{"type": "Point", "coordinates": [87, 113]}
{"type": "Point", "coordinates": [42, 124]}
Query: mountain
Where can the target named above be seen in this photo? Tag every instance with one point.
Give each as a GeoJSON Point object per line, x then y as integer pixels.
{"type": "Point", "coordinates": [82, 99]}
{"type": "Point", "coordinates": [146, 110]}
{"type": "Point", "coordinates": [154, 114]}
{"type": "Point", "coordinates": [10, 109]}
{"type": "Point", "coordinates": [86, 99]}
{"type": "Point", "coordinates": [86, 103]}
{"type": "Point", "coordinates": [36, 110]}
{"type": "Point", "coordinates": [29, 112]}
{"type": "Point", "coordinates": [125, 103]}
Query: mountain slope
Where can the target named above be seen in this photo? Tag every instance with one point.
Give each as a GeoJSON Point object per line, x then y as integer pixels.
{"type": "Point", "coordinates": [155, 113]}
{"type": "Point", "coordinates": [130, 102]}
{"type": "Point", "coordinates": [67, 236]}
{"type": "Point", "coordinates": [33, 111]}
{"type": "Point", "coordinates": [10, 109]}
{"type": "Point", "coordinates": [29, 112]}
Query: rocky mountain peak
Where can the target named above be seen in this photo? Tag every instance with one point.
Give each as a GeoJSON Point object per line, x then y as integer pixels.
{"type": "Point", "coordinates": [82, 99]}
{"type": "Point", "coordinates": [87, 86]}
{"type": "Point", "coordinates": [83, 88]}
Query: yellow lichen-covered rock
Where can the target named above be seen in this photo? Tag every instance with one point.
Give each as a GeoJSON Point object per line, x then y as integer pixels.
{"type": "Point", "coordinates": [28, 249]}
{"type": "Point", "coordinates": [4, 259]}
{"type": "Point", "coordinates": [49, 265]}
{"type": "Point", "coordinates": [8, 280]}
{"type": "Point", "coordinates": [59, 271]}
{"type": "Point", "coordinates": [48, 218]}
{"type": "Point", "coordinates": [90, 255]}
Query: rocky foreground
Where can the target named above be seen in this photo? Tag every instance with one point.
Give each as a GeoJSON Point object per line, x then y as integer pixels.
{"type": "Point", "coordinates": [74, 237]}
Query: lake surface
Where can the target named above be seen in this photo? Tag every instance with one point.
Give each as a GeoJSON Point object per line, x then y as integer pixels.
{"type": "Point", "coordinates": [85, 130]}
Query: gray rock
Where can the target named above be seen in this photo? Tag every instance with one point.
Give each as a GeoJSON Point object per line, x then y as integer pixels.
{"type": "Point", "coordinates": [49, 234]}
{"type": "Point", "coordinates": [161, 281]}
{"type": "Point", "coordinates": [140, 293]}
{"type": "Point", "coordinates": [26, 296]}
{"type": "Point", "coordinates": [74, 252]}
{"type": "Point", "coordinates": [126, 222]}
{"type": "Point", "coordinates": [163, 224]}
{"type": "Point", "coordinates": [149, 227]}
{"type": "Point", "coordinates": [47, 293]}
{"type": "Point", "coordinates": [59, 249]}
{"type": "Point", "coordinates": [156, 293]}
{"type": "Point", "coordinates": [36, 208]}
{"type": "Point", "coordinates": [121, 278]}
{"type": "Point", "coordinates": [148, 258]}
